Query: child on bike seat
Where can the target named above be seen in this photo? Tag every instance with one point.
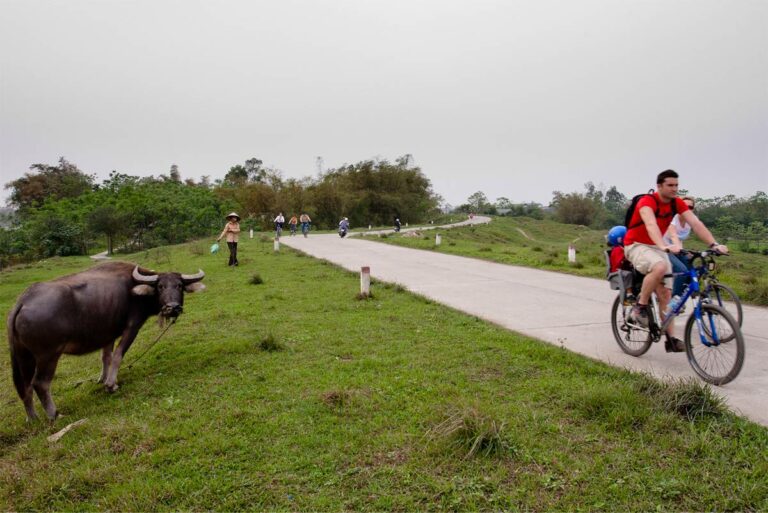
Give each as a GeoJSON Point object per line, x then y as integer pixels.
{"type": "Point", "coordinates": [616, 242]}
{"type": "Point", "coordinates": [617, 262]}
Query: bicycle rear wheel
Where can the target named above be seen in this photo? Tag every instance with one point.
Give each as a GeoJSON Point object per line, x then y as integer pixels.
{"type": "Point", "coordinates": [634, 342]}
{"type": "Point", "coordinates": [724, 297]}
{"type": "Point", "coordinates": [719, 360]}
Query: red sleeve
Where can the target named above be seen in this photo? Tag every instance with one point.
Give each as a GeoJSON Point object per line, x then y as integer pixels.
{"type": "Point", "coordinates": [681, 206]}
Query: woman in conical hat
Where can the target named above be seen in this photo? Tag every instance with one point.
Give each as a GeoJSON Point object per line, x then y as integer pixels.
{"type": "Point", "coordinates": [231, 232]}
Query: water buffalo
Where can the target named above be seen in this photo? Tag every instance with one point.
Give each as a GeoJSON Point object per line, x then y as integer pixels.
{"type": "Point", "coordinates": [83, 312]}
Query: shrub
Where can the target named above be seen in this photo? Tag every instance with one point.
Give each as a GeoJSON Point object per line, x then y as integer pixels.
{"type": "Point", "coordinates": [256, 279]}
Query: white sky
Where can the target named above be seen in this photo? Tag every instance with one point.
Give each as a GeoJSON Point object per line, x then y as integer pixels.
{"type": "Point", "coordinates": [515, 98]}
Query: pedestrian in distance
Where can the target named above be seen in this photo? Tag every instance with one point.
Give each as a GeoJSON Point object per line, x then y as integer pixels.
{"type": "Point", "coordinates": [232, 233]}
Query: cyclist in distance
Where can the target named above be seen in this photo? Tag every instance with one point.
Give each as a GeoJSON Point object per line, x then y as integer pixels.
{"type": "Point", "coordinates": [646, 250]}
{"type": "Point", "coordinates": [279, 220]}
{"type": "Point", "coordinates": [305, 221]}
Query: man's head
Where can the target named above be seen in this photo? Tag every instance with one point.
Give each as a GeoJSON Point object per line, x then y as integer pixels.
{"type": "Point", "coordinates": [666, 184]}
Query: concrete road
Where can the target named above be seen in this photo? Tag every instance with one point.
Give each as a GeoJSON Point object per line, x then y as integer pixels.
{"type": "Point", "coordinates": [556, 308]}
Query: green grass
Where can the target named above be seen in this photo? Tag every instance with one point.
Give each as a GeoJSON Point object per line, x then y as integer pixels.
{"type": "Point", "coordinates": [294, 395]}
{"type": "Point", "coordinates": [544, 245]}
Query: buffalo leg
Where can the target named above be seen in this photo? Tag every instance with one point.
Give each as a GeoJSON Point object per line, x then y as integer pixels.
{"type": "Point", "coordinates": [106, 360]}
{"type": "Point", "coordinates": [117, 356]}
{"type": "Point", "coordinates": [46, 367]}
{"type": "Point", "coordinates": [26, 369]}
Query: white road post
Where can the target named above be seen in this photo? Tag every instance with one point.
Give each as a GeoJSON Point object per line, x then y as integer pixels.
{"type": "Point", "coordinates": [277, 244]}
{"type": "Point", "coordinates": [438, 240]}
{"type": "Point", "coordinates": [365, 281]}
{"type": "Point", "coordinates": [571, 254]}
{"type": "Point", "coordinates": [251, 232]}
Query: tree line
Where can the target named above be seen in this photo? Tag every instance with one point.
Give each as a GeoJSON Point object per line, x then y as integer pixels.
{"type": "Point", "coordinates": [742, 220]}
{"type": "Point", "coordinates": [60, 210]}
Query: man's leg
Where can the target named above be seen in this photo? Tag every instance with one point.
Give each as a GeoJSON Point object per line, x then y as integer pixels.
{"type": "Point", "coordinates": [653, 281]}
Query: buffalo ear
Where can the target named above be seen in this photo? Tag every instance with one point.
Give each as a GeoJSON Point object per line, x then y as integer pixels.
{"type": "Point", "coordinates": [195, 287]}
{"type": "Point", "coordinates": [143, 290]}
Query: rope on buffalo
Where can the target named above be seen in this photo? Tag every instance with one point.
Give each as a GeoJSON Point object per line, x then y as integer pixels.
{"type": "Point", "coordinates": [173, 321]}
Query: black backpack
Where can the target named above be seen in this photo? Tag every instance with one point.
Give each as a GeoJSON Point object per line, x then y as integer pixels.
{"type": "Point", "coordinates": [633, 205]}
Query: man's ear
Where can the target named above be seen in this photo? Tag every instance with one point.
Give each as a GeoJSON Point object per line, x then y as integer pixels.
{"type": "Point", "coordinates": [143, 290]}
{"type": "Point", "coordinates": [195, 287]}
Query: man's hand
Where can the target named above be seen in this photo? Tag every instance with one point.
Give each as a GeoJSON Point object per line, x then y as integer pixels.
{"type": "Point", "coordinates": [674, 248]}
{"type": "Point", "coordinates": [721, 248]}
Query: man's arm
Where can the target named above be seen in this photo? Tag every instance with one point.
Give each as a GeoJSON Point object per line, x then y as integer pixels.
{"type": "Point", "coordinates": [702, 231]}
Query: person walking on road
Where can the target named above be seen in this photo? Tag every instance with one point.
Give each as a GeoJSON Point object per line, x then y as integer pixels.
{"type": "Point", "coordinates": [232, 233]}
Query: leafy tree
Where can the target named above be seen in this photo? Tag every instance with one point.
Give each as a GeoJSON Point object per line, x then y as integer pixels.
{"type": "Point", "coordinates": [48, 182]}
{"type": "Point", "coordinates": [110, 221]}
{"type": "Point", "coordinates": [478, 201]}
{"type": "Point", "coordinates": [574, 208]}
{"type": "Point", "coordinates": [175, 176]}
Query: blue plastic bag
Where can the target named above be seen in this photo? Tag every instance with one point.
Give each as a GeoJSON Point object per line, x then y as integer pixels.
{"type": "Point", "coordinates": [214, 248]}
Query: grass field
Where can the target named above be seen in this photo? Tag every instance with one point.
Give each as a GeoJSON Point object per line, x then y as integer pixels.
{"type": "Point", "coordinates": [279, 390]}
{"type": "Point", "coordinates": [544, 244]}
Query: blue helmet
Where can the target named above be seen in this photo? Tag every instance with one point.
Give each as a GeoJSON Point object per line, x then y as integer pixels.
{"type": "Point", "coordinates": [616, 235]}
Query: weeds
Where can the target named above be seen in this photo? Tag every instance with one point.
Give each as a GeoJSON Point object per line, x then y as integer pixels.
{"type": "Point", "coordinates": [471, 432]}
{"type": "Point", "coordinates": [256, 279]}
{"type": "Point", "coordinates": [271, 344]}
{"type": "Point", "coordinates": [689, 398]}
{"type": "Point", "coordinates": [336, 398]}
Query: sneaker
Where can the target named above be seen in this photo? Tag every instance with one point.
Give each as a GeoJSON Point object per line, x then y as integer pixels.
{"type": "Point", "coordinates": [674, 345]}
{"type": "Point", "coordinates": [638, 315]}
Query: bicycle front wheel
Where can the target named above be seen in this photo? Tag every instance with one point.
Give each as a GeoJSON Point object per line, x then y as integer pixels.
{"type": "Point", "coordinates": [716, 348]}
{"type": "Point", "coordinates": [724, 297]}
{"type": "Point", "coordinates": [634, 342]}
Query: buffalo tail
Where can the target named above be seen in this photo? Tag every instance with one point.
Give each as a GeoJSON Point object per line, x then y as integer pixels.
{"type": "Point", "coordinates": [13, 344]}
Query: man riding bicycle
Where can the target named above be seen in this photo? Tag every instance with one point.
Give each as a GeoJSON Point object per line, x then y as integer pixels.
{"type": "Point", "coordinates": [646, 250]}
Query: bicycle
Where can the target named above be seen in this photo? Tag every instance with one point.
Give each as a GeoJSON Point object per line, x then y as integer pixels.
{"type": "Point", "coordinates": [721, 295]}
{"type": "Point", "coordinates": [716, 354]}
{"type": "Point", "coordinates": [305, 229]}
{"type": "Point", "coordinates": [278, 230]}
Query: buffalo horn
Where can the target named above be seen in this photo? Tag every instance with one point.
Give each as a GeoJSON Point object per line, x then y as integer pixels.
{"type": "Point", "coordinates": [188, 279]}
{"type": "Point", "coordinates": [141, 278]}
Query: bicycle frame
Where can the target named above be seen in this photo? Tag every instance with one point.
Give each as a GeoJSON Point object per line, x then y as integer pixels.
{"type": "Point", "coordinates": [692, 290]}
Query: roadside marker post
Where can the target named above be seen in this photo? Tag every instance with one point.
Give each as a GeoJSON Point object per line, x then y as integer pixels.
{"type": "Point", "coordinates": [571, 254]}
{"type": "Point", "coordinates": [438, 240]}
{"type": "Point", "coordinates": [277, 244]}
{"type": "Point", "coordinates": [365, 281]}
{"type": "Point", "coordinates": [251, 232]}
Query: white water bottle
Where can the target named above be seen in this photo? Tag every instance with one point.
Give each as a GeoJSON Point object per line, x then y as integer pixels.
{"type": "Point", "coordinates": [672, 306]}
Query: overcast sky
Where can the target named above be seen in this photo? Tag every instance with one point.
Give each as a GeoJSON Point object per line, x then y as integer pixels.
{"type": "Point", "coordinates": [515, 98]}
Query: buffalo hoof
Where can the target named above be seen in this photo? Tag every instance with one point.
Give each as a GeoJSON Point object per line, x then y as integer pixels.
{"type": "Point", "coordinates": [112, 388]}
